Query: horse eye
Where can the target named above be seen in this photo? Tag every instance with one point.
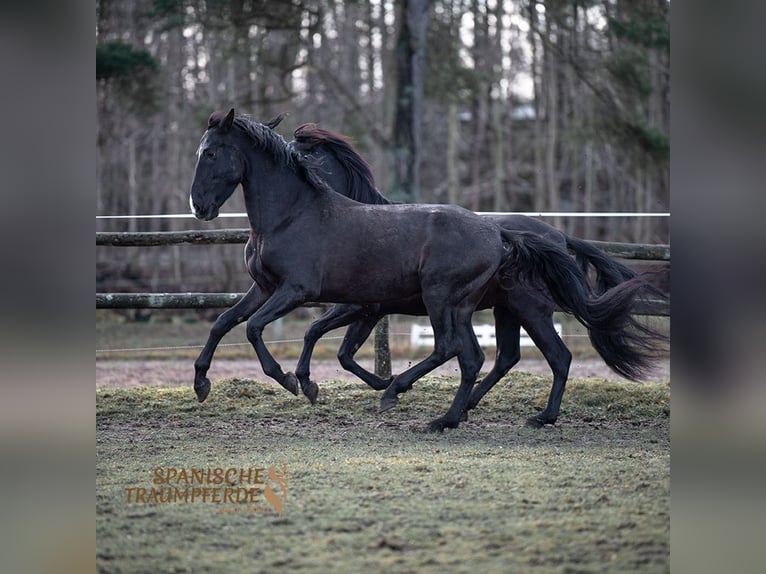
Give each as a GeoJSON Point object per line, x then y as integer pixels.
{"type": "Point", "coordinates": [210, 154]}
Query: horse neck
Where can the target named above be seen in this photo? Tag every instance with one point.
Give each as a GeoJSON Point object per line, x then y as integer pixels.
{"type": "Point", "coordinates": [274, 194]}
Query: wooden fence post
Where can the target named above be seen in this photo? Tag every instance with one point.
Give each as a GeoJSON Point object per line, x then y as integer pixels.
{"type": "Point", "coordinates": [382, 349]}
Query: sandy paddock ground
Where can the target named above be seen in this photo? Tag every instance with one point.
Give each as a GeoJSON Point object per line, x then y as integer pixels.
{"type": "Point", "coordinates": [175, 372]}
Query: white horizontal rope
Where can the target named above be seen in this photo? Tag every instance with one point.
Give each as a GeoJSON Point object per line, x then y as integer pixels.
{"type": "Point", "coordinates": [166, 216]}
{"type": "Point", "coordinates": [577, 213]}
{"type": "Point", "coordinates": [527, 213]}
{"type": "Point", "coordinates": [183, 347]}
{"type": "Point", "coordinates": [179, 347]}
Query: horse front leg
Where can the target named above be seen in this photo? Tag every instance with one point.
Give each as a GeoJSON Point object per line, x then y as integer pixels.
{"type": "Point", "coordinates": [226, 321]}
{"type": "Point", "coordinates": [336, 316]}
{"type": "Point", "coordinates": [281, 302]}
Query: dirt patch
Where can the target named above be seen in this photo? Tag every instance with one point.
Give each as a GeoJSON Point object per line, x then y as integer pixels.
{"type": "Point", "coordinates": [174, 372]}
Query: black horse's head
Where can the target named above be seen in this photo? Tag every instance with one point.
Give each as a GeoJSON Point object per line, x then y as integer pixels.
{"type": "Point", "coordinates": [220, 167]}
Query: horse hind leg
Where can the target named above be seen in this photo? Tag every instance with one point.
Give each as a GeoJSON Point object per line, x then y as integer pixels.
{"type": "Point", "coordinates": [471, 358]}
{"type": "Point", "coordinates": [446, 346]}
{"type": "Point", "coordinates": [336, 316]}
{"type": "Point", "coordinates": [559, 358]}
{"type": "Point", "coordinates": [356, 335]}
{"type": "Point", "coordinates": [450, 303]}
{"type": "Point", "coordinates": [507, 355]}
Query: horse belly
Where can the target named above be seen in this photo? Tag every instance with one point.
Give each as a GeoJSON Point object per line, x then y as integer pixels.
{"type": "Point", "coordinates": [370, 274]}
{"type": "Point", "coordinates": [370, 285]}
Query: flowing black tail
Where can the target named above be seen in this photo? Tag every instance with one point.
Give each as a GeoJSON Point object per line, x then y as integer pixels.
{"type": "Point", "coordinates": [624, 344]}
{"type": "Point", "coordinates": [609, 272]}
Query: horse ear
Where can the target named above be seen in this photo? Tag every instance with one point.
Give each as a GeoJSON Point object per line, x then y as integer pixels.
{"type": "Point", "coordinates": [229, 120]}
{"type": "Point", "coordinates": [271, 124]}
{"type": "Point", "coordinates": [218, 119]}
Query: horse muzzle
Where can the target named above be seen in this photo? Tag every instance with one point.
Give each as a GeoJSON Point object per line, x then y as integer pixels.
{"type": "Point", "coordinates": [205, 213]}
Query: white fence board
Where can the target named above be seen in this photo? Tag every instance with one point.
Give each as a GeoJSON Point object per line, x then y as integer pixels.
{"type": "Point", "coordinates": [423, 335]}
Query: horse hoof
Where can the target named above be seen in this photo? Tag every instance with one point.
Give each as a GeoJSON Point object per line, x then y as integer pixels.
{"type": "Point", "coordinates": [290, 382]}
{"type": "Point", "coordinates": [311, 390]}
{"type": "Point", "coordinates": [437, 426]}
{"type": "Point", "coordinates": [202, 389]}
{"type": "Point", "coordinates": [534, 422]}
{"type": "Point", "coordinates": [387, 403]}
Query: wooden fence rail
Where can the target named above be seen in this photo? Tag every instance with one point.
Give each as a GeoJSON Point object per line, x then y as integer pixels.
{"type": "Point", "coordinates": [223, 300]}
{"type": "Point", "coordinates": [635, 251]}
{"type": "Point", "coordinates": [630, 251]}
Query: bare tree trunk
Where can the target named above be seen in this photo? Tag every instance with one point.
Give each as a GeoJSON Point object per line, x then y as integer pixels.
{"type": "Point", "coordinates": [370, 51]}
{"type": "Point", "coordinates": [132, 184]}
{"type": "Point", "coordinates": [499, 203]}
{"type": "Point", "coordinates": [410, 58]}
{"type": "Point", "coordinates": [453, 137]}
{"type": "Point", "coordinates": [551, 116]}
{"type": "Point", "coordinates": [589, 191]}
{"type": "Point", "coordinates": [538, 200]}
{"type": "Point", "coordinates": [477, 149]}
{"type": "Point", "coordinates": [510, 172]}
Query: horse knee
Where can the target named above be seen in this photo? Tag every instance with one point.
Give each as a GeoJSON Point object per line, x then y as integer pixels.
{"type": "Point", "coordinates": [222, 325]}
{"type": "Point", "coordinates": [346, 357]}
{"type": "Point", "coordinates": [506, 359]}
{"type": "Point", "coordinates": [253, 332]}
{"type": "Point", "coordinates": [313, 334]}
{"type": "Point", "coordinates": [471, 362]}
{"type": "Point", "coordinates": [562, 361]}
{"type": "Point", "coordinates": [567, 357]}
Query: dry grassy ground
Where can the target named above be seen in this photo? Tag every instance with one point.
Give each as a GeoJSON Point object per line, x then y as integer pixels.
{"type": "Point", "coordinates": [371, 492]}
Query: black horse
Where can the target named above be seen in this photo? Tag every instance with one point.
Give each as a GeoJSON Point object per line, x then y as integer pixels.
{"type": "Point", "coordinates": [312, 244]}
{"type": "Point", "coordinates": [526, 304]}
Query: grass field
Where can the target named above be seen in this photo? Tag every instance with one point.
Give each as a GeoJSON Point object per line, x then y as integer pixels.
{"type": "Point", "coordinates": [367, 492]}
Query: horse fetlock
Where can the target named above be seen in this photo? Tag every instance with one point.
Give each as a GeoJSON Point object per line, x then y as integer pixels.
{"type": "Point", "coordinates": [473, 400]}
{"type": "Point", "coordinates": [379, 384]}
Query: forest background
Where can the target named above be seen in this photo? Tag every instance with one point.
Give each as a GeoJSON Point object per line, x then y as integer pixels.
{"type": "Point", "coordinates": [504, 105]}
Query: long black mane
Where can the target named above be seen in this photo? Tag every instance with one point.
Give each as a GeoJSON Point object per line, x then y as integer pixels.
{"type": "Point", "coordinates": [360, 181]}
{"type": "Point", "coordinates": [284, 154]}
